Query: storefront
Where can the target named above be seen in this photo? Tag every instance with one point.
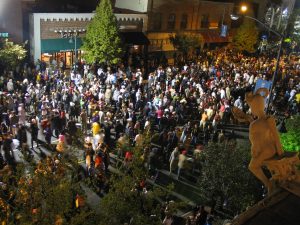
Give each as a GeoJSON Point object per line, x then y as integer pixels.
{"type": "Point", "coordinates": [61, 50]}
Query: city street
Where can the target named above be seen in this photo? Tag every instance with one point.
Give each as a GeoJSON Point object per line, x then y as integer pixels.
{"type": "Point", "coordinates": [161, 112]}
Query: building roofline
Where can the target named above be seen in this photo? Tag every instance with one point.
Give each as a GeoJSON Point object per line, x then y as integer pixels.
{"type": "Point", "coordinates": [279, 195]}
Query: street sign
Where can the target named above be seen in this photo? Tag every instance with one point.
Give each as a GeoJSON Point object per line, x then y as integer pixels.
{"type": "Point", "coordinates": [264, 37]}
{"type": "Point", "coordinates": [4, 35]}
{"type": "Point", "coordinates": [224, 30]}
{"type": "Point", "coordinates": [260, 83]}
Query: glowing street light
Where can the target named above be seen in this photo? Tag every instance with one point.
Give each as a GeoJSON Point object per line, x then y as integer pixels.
{"type": "Point", "coordinates": [244, 8]}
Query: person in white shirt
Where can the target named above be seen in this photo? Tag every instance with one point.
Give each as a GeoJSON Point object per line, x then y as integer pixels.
{"type": "Point", "coordinates": [100, 71]}
{"type": "Point", "coordinates": [251, 79]}
{"type": "Point", "coordinates": [101, 116]}
{"type": "Point", "coordinates": [173, 160]}
{"type": "Point", "coordinates": [141, 80]}
{"type": "Point", "coordinates": [86, 70]}
{"type": "Point", "coordinates": [292, 94]}
{"type": "Point", "coordinates": [116, 94]}
{"type": "Point", "coordinates": [246, 77]}
{"type": "Point", "coordinates": [98, 139]}
{"type": "Point", "coordinates": [237, 77]}
{"type": "Point", "coordinates": [222, 93]}
{"type": "Point", "coordinates": [138, 95]}
{"type": "Point", "coordinates": [107, 95]}
{"type": "Point", "coordinates": [239, 103]}
{"type": "Point", "coordinates": [10, 86]}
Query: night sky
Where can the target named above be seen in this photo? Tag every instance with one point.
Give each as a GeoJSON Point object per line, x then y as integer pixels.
{"type": "Point", "coordinates": [65, 5]}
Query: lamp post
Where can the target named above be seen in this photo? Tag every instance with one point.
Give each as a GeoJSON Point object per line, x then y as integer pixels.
{"type": "Point", "coordinates": [71, 33]}
{"type": "Point", "coordinates": [281, 36]}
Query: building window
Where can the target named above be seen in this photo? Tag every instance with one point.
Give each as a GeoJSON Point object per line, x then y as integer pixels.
{"type": "Point", "coordinates": [157, 21]}
{"type": "Point", "coordinates": [204, 21]}
{"type": "Point", "coordinates": [184, 20]}
{"type": "Point", "coordinates": [171, 21]}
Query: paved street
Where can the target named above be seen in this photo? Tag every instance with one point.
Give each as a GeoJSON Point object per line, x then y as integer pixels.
{"type": "Point", "coordinates": [92, 198]}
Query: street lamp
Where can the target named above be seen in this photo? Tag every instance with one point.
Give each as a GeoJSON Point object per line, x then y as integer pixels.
{"type": "Point", "coordinates": [71, 33]}
{"type": "Point", "coordinates": [281, 36]}
{"type": "Point", "coordinates": [244, 8]}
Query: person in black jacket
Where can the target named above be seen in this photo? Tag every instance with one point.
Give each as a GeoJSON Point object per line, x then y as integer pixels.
{"type": "Point", "coordinates": [22, 136]}
{"type": "Point", "coordinates": [34, 133]}
{"type": "Point", "coordinates": [119, 128]}
{"type": "Point", "coordinates": [7, 148]}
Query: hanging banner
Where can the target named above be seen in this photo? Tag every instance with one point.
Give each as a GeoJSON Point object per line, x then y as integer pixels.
{"type": "Point", "coordinates": [224, 30]}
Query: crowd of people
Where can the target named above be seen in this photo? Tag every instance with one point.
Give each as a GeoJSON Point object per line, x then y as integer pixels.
{"type": "Point", "coordinates": [181, 107]}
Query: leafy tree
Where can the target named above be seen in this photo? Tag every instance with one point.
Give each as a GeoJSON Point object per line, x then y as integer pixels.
{"type": "Point", "coordinates": [10, 54]}
{"type": "Point", "coordinates": [37, 195]}
{"type": "Point", "coordinates": [184, 43]}
{"type": "Point", "coordinates": [102, 42]}
{"type": "Point", "coordinates": [246, 37]}
{"type": "Point", "coordinates": [290, 140]}
{"type": "Point", "coordinates": [126, 201]}
{"type": "Point", "coordinates": [225, 177]}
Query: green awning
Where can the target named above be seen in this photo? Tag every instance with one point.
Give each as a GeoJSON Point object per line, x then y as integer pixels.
{"type": "Point", "coordinates": [60, 45]}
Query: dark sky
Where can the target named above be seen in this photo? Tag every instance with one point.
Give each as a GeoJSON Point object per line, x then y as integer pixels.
{"type": "Point", "coordinates": [65, 5]}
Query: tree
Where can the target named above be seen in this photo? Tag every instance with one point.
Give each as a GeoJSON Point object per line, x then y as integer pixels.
{"type": "Point", "coordinates": [127, 201]}
{"type": "Point", "coordinates": [11, 55]}
{"type": "Point", "coordinates": [246, 37]}
{"type": "Point", "coordinates": [225, 178]}
{"type": "Point", "coordinates": [184, 43]}
{"type": "Point", "coordinates": [39, 195]}
{"type": "Point", "coordinates": [290, 140]}
{"type": "Point", "coordinates": [102, 42]}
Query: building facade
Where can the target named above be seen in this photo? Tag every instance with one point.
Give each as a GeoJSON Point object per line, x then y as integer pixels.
{"type": "Point", "coordinates": [140, 6]}
{"type": "Point", "coordinates": [191, 17]}
{"type": "Point", "coordinates": [59, 35]}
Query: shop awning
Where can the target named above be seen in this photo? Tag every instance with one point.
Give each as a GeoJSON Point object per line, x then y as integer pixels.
{"type": "Point", "coordinates": [60, 45]}
{"type": "Point", "coordinates": [213, 36]}
{"type": "Point", "coordinates": [135, 38]}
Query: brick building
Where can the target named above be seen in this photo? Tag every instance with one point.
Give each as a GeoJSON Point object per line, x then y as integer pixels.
{"type": "Point", "coordinates": [59, 35]}
{"type": "Point", "coordinates": [203, 18]}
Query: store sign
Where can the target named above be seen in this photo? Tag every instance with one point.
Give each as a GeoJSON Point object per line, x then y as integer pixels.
{"type": "Point", "coordinates": [4, 35]}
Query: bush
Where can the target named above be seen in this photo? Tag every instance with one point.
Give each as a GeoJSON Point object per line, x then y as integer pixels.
{"type": "Point", "coordinates": [290, 140]}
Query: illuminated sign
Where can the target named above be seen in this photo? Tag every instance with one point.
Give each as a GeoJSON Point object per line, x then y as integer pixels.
{"type": "Point", "coordinates": [4, 35]}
